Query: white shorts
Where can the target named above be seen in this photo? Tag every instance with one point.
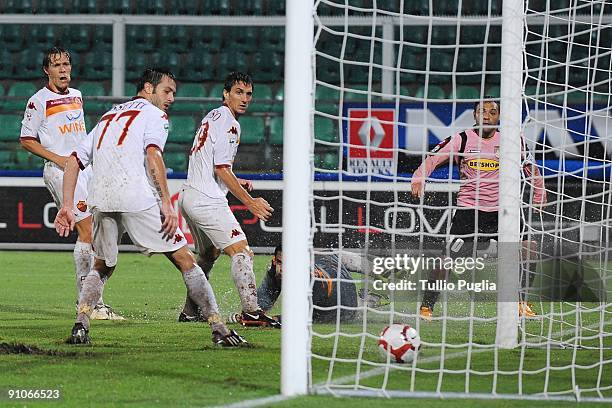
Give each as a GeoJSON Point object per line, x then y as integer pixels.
{"type": "Point", "coordinates": [209, 222]}
{"type": "Point", "coordinates": [143, 228]}
{"type": "Point", "coordinates": [54, 180]}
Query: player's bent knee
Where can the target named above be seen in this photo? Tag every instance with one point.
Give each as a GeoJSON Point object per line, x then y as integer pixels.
{"type": "Point", "coordinates": [182, 258]}
{"type": "Point", "coordinates": [239, 247]}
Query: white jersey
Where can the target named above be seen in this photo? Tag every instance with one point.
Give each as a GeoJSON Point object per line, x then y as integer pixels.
{"type": "Point", "coordinates": [116, 148]}
{"type": "Point", "coordinates": [56, 120]}
{"type": "Point", "coordinates": [215, 145]}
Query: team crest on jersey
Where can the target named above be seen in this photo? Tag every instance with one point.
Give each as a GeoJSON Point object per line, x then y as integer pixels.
{"type": "Point", "coordinates": [82, 206]}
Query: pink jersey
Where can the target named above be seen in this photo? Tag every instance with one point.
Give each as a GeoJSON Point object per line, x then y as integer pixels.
{"type": "Point", "coordinates": [478, 169]}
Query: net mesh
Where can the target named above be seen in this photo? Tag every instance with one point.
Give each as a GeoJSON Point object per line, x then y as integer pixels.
{"type": "Point", "coordinates": [393, 79]}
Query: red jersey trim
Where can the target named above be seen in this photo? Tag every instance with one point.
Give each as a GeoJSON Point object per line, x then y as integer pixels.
{"type": "Point", "coordinates": [78, 160]}
{"type": "Point", "coordinates": [155, 146]}
{"type": "Point", "coordinates": [28, 137]}
{"type": "Point", "coordinates": [222, 166]}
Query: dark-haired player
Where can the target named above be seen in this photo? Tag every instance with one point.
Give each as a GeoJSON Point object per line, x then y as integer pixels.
{"type": "Point", "coordinates": [203, 199]}
{"type": "Point", "coordinates": [52, 126]}
{"type": "Point", "coordinates": [130, 194]}
{"type": "Point", "coordinates": [476, 152]}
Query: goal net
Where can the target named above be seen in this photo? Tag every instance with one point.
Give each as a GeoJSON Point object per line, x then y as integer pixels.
{"type": "Point", "coordinates": [392, 79]}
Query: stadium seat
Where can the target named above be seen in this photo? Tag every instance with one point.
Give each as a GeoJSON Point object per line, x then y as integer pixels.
{"type": "Point", "coordinates": [97, 65]}
{"type": "Point", "coordinates": [77, 38]}
{"type": "Point", "coordinates": [327, 161]}
{"type": "Point", "coordinates": [250, 7]}
{"type": "Point", "coordinates": [10, 127]}
{"type": "Point", "coordinates": [18, 6]}
{"type": "Point", "coordinates": [216, 91]}
{"type": "Point", "coordinates": [11, 38]}
{"type": "Point", "coordinates": [199, 67]}
{"type": "Point", "coordinates": [276, 130]}
{"type": "Point", "coordinates": [182, 129]}
{"type": "Point", "coordinates": [443, 35]}
{"type": "Point", "coordinates": [216, 7]}
{"type": "Point", "coordinates": [433, 92]}
{"type": "Point", "coordinates": [135, 64]}
{"type": "Point", "coordinates": [267, 66]}
{"type": "Point", "coordinates": [84, 6]}
{"type": "Point", "coordinates": [42, 36]}
{"type": "Point", "coordinates": [276, 8]}
{"type": "Point", "coordinates": [272, 39]}
{"type": "Point", "coordinates": [22, 160]}
{"type": "Point", "coordinates": [6, 64]}
{"type": "Point", "coordinates": [262, 97]}
{"type": "Point", "coordinates": [141, 37]}
{"type": "Point", "coordinates": [252, 130]}
{"type": "Point", "coordinates": [103, 35]}
{"type": "Point", "coordinates": [241, 39]}
{"type": "Point", "coordinates": [176, 161]}
{"type": "Point", "coordinates": [150, 7]}
{"type": "Point", "coordinates": [324, 129]}
{"type": "Point", "coordinates": [117, 6]}
{"type": "Point", "coordinates": [493, 91]}
{"type": "Point", "coordinates": [89, 89]}
{"type": "Point", "coordinates": [229, 62]}
{"type": "Point", "coordinates": [6, 160]}
{"type": "Point", "coordinates": [466, 92]}
{"type": "Point", "coordinates": [206, 38]}
{"type": "Point", "coordinates": [28, 64]}
{"type": "Point", "coordinates": [175, 38]}
{"type": "Point", "coordinates": [23, 90]}
{"type": "Point", "coordinates": [326, 99]}
{"type": "Point", "coordinates": [193, 90]}
{"type": "Point", "coordinates": [351, 95]}
{"type": "Point", "coordinates": [50, 7]}
{"type": "Point", "coordinates": [328, 69]}
{"type": "Point", "coordinates": [184, 7]}
{"type": "Point", "coordinates": [129, 89]}
{"type": "Point", "coordinates": [165, 59]}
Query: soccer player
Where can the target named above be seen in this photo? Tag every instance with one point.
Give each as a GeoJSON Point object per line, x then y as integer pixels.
{"type": "Point", "coordinates": [52, 126]}
{"type": "Point", "coordinates": [324, 289]}
{"type": "Point", "coordinates": [203, 199]}
{"type": "Point", "coordinates": [130, 194]}
{"type": "Point", "coordinates": [476, 152]}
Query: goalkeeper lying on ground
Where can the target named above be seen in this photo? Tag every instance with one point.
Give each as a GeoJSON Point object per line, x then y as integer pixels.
{"type": "Point", "coordinates": [324, 289]}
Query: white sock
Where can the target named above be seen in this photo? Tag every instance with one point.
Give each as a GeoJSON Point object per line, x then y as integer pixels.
{"type": "Point", "coordinates": [90, 294]}
{"type": "Point", "coordinates": [244, 279]}
{"type": "Point", "coordinates": [201, 293]}
{"type": "Point", "coordinates": [83, 262]}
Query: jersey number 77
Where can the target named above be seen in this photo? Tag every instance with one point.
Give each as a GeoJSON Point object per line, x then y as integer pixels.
{"type": "Point", "coordinates": [131, 115]}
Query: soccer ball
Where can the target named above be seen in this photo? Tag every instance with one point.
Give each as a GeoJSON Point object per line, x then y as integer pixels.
{"type": "Point", "coordinates": [402, 342]}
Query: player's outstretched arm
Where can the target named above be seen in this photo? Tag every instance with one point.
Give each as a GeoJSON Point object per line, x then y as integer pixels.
{"type": "Point", "coordinates": [257, 206]}
{"type": "Point", "coordinates": [439, 155]}
{"type": "Point", "coordinates": [537, 180]}
{"type": "Point", "coordinates": [64, 221]}
{"type": "Point", "coordinates": [33, 146]}
{"type": "Point", "coordinates": [157, 173]}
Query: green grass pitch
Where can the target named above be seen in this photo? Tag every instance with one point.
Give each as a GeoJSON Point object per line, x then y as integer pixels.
{"type": "Point", "coordinates": [152, 360]}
